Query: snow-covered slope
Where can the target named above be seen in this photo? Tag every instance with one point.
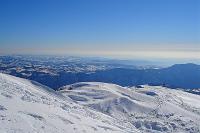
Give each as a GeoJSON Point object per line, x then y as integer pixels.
{"type": "Point", "coordinates": [27, 107]}
{"type": "Point", "coordinates": [149, 109]}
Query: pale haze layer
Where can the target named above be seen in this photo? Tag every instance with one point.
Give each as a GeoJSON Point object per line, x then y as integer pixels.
{"type": "Point", "coordinates": [115, 28]}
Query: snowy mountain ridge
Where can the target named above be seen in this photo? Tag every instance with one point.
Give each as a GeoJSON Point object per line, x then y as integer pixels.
{"type": "Point", "coordinates": [28, 108]}
{"type": "Point", "coordinates": [87, 107]}
{"type": "Point", "coordinates": [149, 108]}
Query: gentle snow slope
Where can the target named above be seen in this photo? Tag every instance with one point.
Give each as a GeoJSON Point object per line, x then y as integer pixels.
{"type": "Point", "coordinates": [27, 107]}
{"type": "Point", "coordinates": [149, 109]}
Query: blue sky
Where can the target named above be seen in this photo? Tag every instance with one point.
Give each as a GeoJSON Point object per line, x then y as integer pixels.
{"type": "Point", "coordinates": [115, 28]}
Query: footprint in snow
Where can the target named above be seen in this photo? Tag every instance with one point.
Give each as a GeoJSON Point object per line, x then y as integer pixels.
{"type": "Point", "coordinates": [6, 95]}
{"type": "Point", "coordinates": [66, 121]}
{"type": "Point", "coordinates": [2, 108]}
{"type": "Point", "coordinates": [36, 116]}
{"type": "Point", "coordinates": [106, 128]}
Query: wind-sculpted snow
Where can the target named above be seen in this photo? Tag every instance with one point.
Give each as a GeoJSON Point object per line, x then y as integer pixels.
{"type": "Point", "coordinates": [28, 107]}
{"type": "Point", "coordinates": [149, 109]}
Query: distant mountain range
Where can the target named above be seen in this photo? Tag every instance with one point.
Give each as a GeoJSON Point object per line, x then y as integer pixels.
{"type": "Point", "coordinates": [182, 75]}
{"type": "Point", "coordinates": [185, 76]}
{"type": "Point", "coordinates": [56, 72]}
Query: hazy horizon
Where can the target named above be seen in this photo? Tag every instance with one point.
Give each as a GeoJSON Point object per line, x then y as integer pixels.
{"type": "Point", "coordinates": [130, 29]}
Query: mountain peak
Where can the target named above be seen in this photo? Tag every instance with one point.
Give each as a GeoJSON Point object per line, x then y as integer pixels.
{"type": "Point", "coordinates": [186, 65]}
{"type": "Point", "coordinates": [26, 107]}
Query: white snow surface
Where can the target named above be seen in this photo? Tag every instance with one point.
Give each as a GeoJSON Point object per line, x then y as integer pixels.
{"type": "Point", "coordinates": [28, 107]}
{"type": "Point", "coordinates": [151, 109]}
{"type": "Point", "coordinates": [90, 107]}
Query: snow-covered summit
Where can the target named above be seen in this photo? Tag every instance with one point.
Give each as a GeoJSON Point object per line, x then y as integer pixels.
{"type": "Point", "coordinates": [88, 107]}
{"type": "Point", "coordinates": [149, 108]}
{"type": "Point", "coordinates": [28, 107]}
